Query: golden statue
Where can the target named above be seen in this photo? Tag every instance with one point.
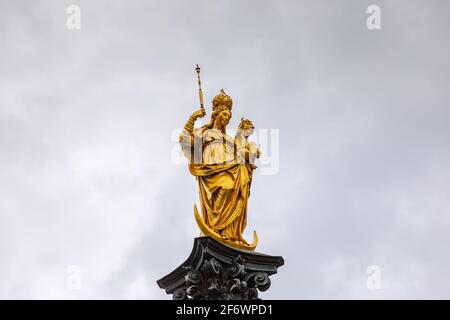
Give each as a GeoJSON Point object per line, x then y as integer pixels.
{"type": "Point", "coordinates": [223, 167]}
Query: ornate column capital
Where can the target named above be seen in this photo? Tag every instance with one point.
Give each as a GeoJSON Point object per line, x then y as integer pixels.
{"type": "Point", "coordinates": [220, 272]}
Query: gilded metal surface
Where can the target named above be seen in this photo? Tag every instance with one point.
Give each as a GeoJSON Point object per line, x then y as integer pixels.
{"type": "Point", "coordinates": [223, 167]}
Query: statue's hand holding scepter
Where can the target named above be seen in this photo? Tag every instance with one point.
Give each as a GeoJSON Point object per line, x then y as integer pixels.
{"type": "Point", "coordinates": [200, 113]}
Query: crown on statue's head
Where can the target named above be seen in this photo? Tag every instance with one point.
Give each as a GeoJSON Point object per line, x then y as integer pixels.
{"type": "Point", "coordinates": [222, 101]}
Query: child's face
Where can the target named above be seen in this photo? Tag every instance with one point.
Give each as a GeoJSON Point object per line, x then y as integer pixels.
{"type": "Point", "coordinates": [247, 129]}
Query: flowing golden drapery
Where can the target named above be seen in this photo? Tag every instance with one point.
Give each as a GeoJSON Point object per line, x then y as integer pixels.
{"type": "Point", "coordinates": [223, 181]}
{"type": "Point", "coordinates": [224, 190]}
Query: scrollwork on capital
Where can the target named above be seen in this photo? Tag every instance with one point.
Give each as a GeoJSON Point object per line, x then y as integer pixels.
{"type": "Point", "coordinates": [260, 280]}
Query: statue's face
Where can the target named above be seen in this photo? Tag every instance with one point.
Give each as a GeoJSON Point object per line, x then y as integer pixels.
{"type": "Point", "coordinates": [224, 117]}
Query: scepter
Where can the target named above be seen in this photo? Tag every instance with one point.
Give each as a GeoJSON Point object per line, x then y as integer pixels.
{"type": "Point", "coordinates": [200, 93]}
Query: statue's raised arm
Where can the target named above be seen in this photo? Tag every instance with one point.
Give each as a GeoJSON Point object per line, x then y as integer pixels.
{"type": "Point", "coordinates": [186, 137]}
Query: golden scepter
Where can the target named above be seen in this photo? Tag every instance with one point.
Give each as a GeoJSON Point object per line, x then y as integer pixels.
{"type": "Point", "coordinates": [200, 93]}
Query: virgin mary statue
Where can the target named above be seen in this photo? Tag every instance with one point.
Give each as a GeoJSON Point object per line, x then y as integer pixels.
{"type": "Point", "coordinates": [223, 167]}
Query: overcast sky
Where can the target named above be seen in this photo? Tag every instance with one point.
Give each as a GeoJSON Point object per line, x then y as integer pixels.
{"type": "Point", "coordinates": [88, 119]}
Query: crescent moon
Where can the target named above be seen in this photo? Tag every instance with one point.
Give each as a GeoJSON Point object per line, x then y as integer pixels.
{"type": "Point", "coordinates": [209, 232]}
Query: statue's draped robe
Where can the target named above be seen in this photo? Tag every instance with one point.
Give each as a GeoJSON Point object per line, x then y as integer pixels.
{"type": "Point", "coordinates": [224, 182]}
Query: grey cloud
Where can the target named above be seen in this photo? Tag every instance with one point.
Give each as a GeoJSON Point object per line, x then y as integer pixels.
{"type": "Point", "coordinates": [86, 119]}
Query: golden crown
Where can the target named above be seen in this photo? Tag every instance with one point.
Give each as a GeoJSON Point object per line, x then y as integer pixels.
{"type": "Point", "coordinates": [222, 101]}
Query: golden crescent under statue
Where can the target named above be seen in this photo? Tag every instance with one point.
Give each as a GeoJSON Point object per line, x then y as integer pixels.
{"type": "Point", "coordinates": [223, 167]}
{"type": "Point", "coordinates": [209, 232]}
